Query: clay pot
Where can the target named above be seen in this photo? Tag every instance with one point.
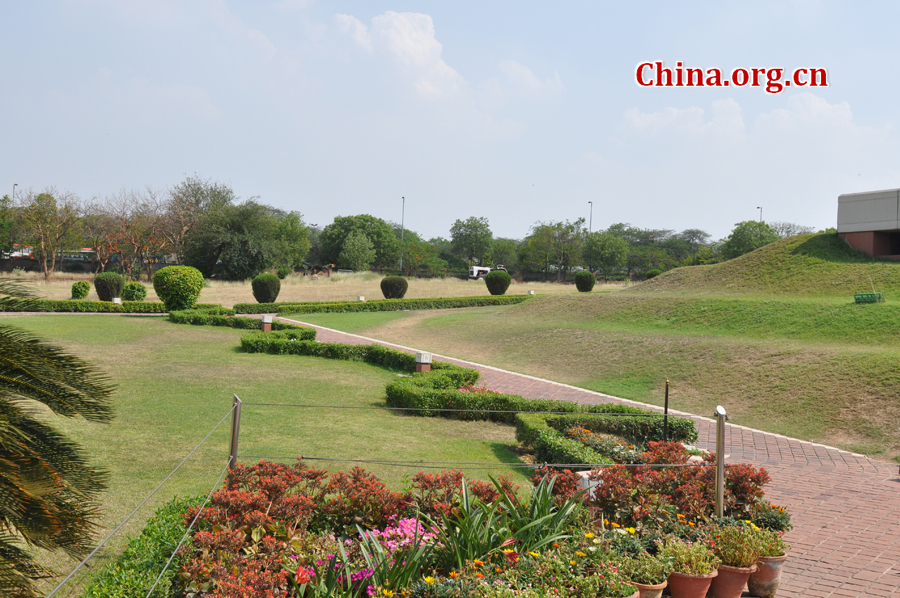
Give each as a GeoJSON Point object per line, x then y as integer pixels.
{"type": "Point", "coordinates": [650, 591]}
{"type": "Point", "coordinates": [682, 585]}
{"type": "Point", "coordinates": [764, 582]}
{"type": "Point", "coordinates": [635, 595]}
{"type": "Point", "coordinates": [730, 581]}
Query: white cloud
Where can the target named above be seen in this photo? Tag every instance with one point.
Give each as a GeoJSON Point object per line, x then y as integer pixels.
{"type": "Point", "coordinates": [726, 120]}
{"type": "Point", "coordinates": [291, 5]}
{"type": "Point", "coordinates": [251, 38]}
{"type": "Point", "coordinates": [523, 81]}
{"type": "Point", "coordinates": [410, 40]}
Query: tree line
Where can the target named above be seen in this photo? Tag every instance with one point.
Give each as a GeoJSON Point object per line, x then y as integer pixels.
{"type": "Point", "coordinates": [202, 223]}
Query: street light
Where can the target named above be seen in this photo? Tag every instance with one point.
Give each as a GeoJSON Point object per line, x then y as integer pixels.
{"type": "Point", "coordinates": [760, 212]}
{"type": "Point", "coordinates": [402, 219]}
{"type": "Point", "coordinates": [14, 190]}
{"type": "Point", "coordinates": [591, 219]}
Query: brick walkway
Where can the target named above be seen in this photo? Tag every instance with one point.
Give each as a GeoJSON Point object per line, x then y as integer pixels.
{"type": "Point", "coordinates": [845, 507]}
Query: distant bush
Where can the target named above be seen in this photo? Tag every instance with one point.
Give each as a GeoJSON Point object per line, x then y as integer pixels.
{"type": "Point", "coordinates": [266, 288]}
{"type": "Point", "coordinates": [178, 286]}
{"type": "Point", "coordinates": [653, 273]}
{"type": "Point", "coordinates": [134, 291]}
{"type": "Point", "coordinates": [284, 272]}
{"type": "Point", "coordinates": [80, 289]}
{"type": "Point", "coordinates": [497, 282]}
{"type": "Point", "coordinates": [109, 285]}
{"type": "Point", "coordinates": [584, 281]}
{"type": "Point", "coordinates": [74, 267]}
{"type": "Point", "coordinates": [394, 287]}
{"type": "Point", "coordinates": [313, 307]}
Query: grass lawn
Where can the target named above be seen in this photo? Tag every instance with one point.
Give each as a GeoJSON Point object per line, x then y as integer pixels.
{"type": "Point", "coordinates": [175, 382]}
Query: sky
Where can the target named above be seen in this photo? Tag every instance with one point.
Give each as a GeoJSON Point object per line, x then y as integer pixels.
{"type": "Point", "coordinates": [519, 112]}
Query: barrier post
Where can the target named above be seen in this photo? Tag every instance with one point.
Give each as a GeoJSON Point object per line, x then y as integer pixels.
{"type": "Point", "coordinates": [666, 414]}
{"type": "Point", "coordinates": [235, 431]}
{"type": "Point", "coordinates": [720, 461]}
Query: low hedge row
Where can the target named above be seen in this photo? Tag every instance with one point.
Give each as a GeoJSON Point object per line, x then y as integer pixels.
{"type": "Point", "coordinates": [298, 342]}
{"type": "Point", "coordinates": [283, 309]}
{"type": "Point", "coordinates": [222, 317]}
{"type": "Point", "coordinates": [135, 570]}
{"type": "Point", "coordinates": [551, 446]}
{"type": "Point", "coordinates": [85, 306]}
{"type": "Point", "coordinates": [638, 430]}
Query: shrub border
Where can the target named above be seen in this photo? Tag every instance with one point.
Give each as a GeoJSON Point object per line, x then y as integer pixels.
{"type": "Point", "coordinates": [377, 305]}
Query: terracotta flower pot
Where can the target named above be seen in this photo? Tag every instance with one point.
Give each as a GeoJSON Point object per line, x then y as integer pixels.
{"type": "Point", "coordinates": [650, 591]}
{"type": "Point", "coordinates": [682, 585]}
{"type": "Point", "coordinates": [730, 581]}
{"type": "Point", "coordinates": [764, 582]}
{"type": "Point", "coordinates": [635, 595]}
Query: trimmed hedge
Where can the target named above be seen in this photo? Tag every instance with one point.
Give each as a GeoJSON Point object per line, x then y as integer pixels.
{"type": "Point", "coordinates": [84, 306]}
{"type": "Point", "coordinates": [265, 288]}
{"type": "Point", "coordinates": [80, 290]}
{"type": "Point", "coordinates": [638, 430]}
{"type": "Point", "coordinates": [284, 309]}
{"type": "Point", "coordinates": [178, 286]}
{"type": "Point", "coordinates": [134, 571]}
{"type": "Point", "coordinates": [134, 291]}
{"type": "Point", "coordinates": [551, 446]}
{"type": "Point", "coordinates": [584, 281]}
{"type": "Point", "coordinates": [497, 282]}
{"type": "Point", "coordinates": [109, 285]}
{"type": "Point", "coordinates": [202, 317]}
{"type": "Point", "coordinates": [394, 287]}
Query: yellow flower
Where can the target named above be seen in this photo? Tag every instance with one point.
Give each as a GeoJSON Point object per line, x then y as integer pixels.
{"type": "Point", "coordinates": [508, 550]}
{"type": "Point", "coordinates": [534, 554]}
{"type": "Point", "coordinates": [387, 592]}
{"type": "Point", "coordinates": [429, 581]}
{"type": "Point", "coordinates": [571, 562]}
{"type": "Point", "coordinates": [589, 535]}
{"type": "Point", "coordinates": [630, 530]}
{"type": "Point", "coordinates": [579, 553]}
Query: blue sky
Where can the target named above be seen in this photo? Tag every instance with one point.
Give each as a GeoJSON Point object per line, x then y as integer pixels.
{"type": "Point", "coordinates": [516, 111]}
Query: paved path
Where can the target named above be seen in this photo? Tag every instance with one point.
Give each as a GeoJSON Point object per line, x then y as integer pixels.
{"type": "Point", "coordinates": [845, 507]}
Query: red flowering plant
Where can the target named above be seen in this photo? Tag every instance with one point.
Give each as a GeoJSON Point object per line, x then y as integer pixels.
{"type": "Point", "coordinates": [439, 493]}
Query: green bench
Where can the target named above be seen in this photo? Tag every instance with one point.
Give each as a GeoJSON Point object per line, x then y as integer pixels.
{"type": "Point", "coordinates": [868, 297]}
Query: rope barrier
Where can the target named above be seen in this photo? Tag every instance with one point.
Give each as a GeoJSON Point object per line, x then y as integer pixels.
{"type": "Point", "coordinates": [479, 464]}
{"type": "Point", "coordinates": [437, 410]}
{"type": "Point", "coordinates": [190, 527]}
{"type": "Point", "coordinates": [127, 519]}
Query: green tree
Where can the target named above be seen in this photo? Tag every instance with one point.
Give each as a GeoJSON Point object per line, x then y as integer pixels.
{"type": "Point", "coordinates": [562, 240]}
{"type": "Point", "coordinates": [746, 237]}
{"type": "Point", "coordinates": [536, 251]}
{"type": "Point", "coordinates": [48, 219]}
{"type": "Point", "coordinates": [291, 241]}
{"type": "Point", "coordinates": [604, 252]}
{"type": "Point", "coordinates": [358, 252]}
{"type": "Point", "coordinates": [7, 226]}
{"type": "Point", "coordinates": [48, 490]}
{"type": "Point", "coordinates": [471, 238]}
{"type": "Point", "coordinates": [379, 232]}
{"type": "Point", "coordinates": [505, 251]}
{"type": "Point", "coordinates": [187, 203]}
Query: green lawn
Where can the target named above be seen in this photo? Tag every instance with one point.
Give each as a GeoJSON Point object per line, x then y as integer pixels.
{"type": "Point", "coordinates": [175, 382]}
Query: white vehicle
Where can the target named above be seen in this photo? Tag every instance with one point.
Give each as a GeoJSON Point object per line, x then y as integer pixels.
{"type": "Point", "coordinates": [479, 272]}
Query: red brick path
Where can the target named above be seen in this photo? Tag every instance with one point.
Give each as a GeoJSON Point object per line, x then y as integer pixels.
{"type": "Point", "coordinates": [845, 507]}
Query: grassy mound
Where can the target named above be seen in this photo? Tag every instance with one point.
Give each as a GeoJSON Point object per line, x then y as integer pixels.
{"type": "Point", "coordinates": [805, 265]}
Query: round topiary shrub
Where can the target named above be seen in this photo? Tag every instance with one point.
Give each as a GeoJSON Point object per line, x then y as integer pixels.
{"type": "Point", "coordinates": [178, 286]}
{"type": "Point", "coordinates": [584, 281]}
{"type": "Point", "coordinates": [283, 272]}
{"type": "Point", "coordinates": [134, 291]}
{"type": "Point", "coordinates": [80, 290]}
{"type": "Point", "coordinates": [266, 288]}
{"type": "Point", "coordinates": [109, 285]}
{"type": "Point", "coordinates": [497, 282]}
{"type": "Point", "coordinates": [653, 273]}
{"type": "Point", "coordinates": [394, 287]}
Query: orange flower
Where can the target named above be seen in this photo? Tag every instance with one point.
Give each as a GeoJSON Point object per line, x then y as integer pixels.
{"type": "Point", "coordinates": [481, 575]}
{"type": "Point", "coordinates": [498, 570]}
{"type": "Point", "coordinates": [479, 563]}
{"type": "Point", "coordinates": [453, 574]}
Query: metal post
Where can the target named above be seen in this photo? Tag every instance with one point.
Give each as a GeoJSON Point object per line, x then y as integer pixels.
{"type": "Point", "coordinates": [591, 218]}
{"type": "Point", "coordinates": [720, 461]}
{"type": "Point", "coordinates": [666, 414]}
{"type": "Point", "coordinates": [402, 222]}
{"type": "Point", "coordinates": [235, 430]}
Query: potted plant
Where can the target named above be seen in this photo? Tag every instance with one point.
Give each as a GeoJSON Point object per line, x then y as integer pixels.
{"type": "Point", "coordinates": [649, 573]}
{"type": "Point", "coordinates": [772, 554]}
{"type": "Point", "coordinates": [737, 547]}
{"type": "Point", "coordinates": [693, 567]}
{"type": "Point", "coordinates": [613, 584]}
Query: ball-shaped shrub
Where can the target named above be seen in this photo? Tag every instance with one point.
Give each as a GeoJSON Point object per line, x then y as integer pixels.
{"type": "Point", "coordinates": [80, 289]}
{"type": "Point", "coordinates": [109, 285]}
{"type": "Point", "coordinates": [178, 286]}
{"type": "Point", "coordinates": [266, 288]}
{"type": "Point", "coordinates": [134, 291]}
{"type": "Point", "coordinates": [497, 282]}
{"type": "Point", "coordinates": [394, 287]}
{"type": "Point", "coordinates": [283, 273]}
{"type": "Point", "coordinates": [584, 281]}
{"type": "Point", "coordinates": [653, 273]}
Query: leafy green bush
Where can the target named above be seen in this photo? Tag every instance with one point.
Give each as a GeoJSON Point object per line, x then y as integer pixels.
{"type": "Point", "coordinates": [639, 429]}
{"type": "Point", "coordinates": [653, 273]}
{"type": "Point", "coordinates": [584, 281]}
{"type": "Point", "coordinates": [109, 285]}
{"type": "Point", "coordinates": [178, 286]}
{"type": "Point", "coordinates": [134, 291]}
{"type": "Point", "coordinates": [84, 306]}
{"type": "Point", "coordinates": [497, 282]}
{"type": "Point", "coordinates": [225, 317]}
{"type": "Point", "coordinates": [133, 573]}
{"type": "Point", "coordinates": [394, 287]}
{"type": "Point", "coordinates": [283, 272]}
{"type": "Point", "coordinates": [80, 290]}
{"type": "Point", "coordinates": [550, 446]}
{"type": "Point", "coordinates": [266, 288]}
{"type": "Point", "coordinates": [284, 309]}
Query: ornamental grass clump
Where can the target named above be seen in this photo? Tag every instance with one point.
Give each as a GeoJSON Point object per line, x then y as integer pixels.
{"type": "Point", "coordinates": [80, 290]}
{"type": "Point", "coordinates": [734, 545]}
{"type": "Point", "coordinates": [109, 285]}
{"type": "Point", "coordinates": [646, 569]}
{"type": "Point", "coordinates": [692, 558]}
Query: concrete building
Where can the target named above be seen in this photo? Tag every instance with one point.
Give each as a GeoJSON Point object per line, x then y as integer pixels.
{"type": "Point", "coordinates": [870, 222]}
